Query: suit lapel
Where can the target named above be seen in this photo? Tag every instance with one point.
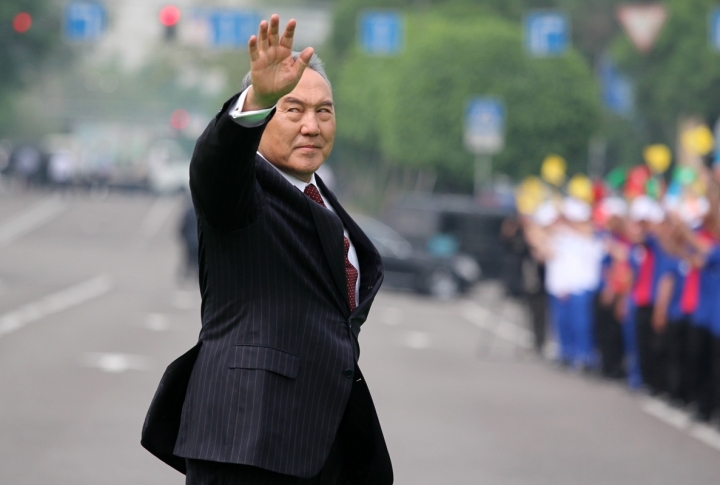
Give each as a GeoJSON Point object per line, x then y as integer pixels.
{"type": "Point", "coordinates": [330, 230]}
{"type": "Point", "coordinates": [371, 268]}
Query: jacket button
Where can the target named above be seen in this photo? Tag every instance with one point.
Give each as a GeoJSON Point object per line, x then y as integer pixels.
{"type": "Point", "coordinates": [348, 373]}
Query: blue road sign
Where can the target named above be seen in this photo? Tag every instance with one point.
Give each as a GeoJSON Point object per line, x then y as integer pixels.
{"type": "Point", "coordinates": [715, 29]}
{"type": "Point", "coordinates": [485, 125]}
{"type": "Point", "coordinates": [84, 21]}
{"type": "Point", "coordinates": [617, 90]}
{"type": "Point", "coordinates": [381, 33]}
{"type": "Point", "coordinates": [232, 28]}
{"type": "Point", "coordinates": [547, 33]}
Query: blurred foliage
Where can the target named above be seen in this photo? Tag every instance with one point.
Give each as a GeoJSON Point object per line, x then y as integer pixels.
{"type": "Point", "coordinates": [680, 77]}
{"type": "Point", "coordinates": [593, 21]}
{"type": "Point", "coordinates": [344, 33]}
{"type": "Point", "coordinates": [22, 54]}
{"type": "Point", "coordinates": [26, 57]}
{"type": "Point", "coordinates": [410, 108]}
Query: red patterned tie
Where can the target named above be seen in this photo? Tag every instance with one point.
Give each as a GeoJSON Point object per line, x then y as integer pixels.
{"type": "Point", "coordinates": [351, 273]}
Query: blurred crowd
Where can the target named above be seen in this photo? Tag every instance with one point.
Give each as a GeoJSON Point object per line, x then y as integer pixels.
{"type": "Point", "coordinates": [28, 166]}
{"type": "Point", "coordinates": [628, 270]}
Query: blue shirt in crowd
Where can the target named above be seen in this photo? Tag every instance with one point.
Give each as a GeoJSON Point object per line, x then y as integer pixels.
{"type": "Point", "coordinates": [706, 311]}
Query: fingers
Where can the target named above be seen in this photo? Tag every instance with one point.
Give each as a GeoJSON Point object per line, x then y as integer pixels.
{"type": "Point", "coordinates": [274, 29]}
{"type": "Point", "coordinates": [253, 49]}
{"type": "Point", "coordinates": [304, 57]}
{"type": "Point", "coordinates": [287, 38]}
{"type": "Point", "coordinates": [268, 34]}
{"type": "Point", "coordinates": [302, 61]}
{"type": "Point", "coordinates": [263, 35]}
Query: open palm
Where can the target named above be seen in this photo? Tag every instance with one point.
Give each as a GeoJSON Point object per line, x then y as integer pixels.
{"type": "Point", "coordinates": [273, 71]}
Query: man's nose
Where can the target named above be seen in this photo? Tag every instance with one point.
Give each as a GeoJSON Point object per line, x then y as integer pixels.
{"type": "Point", "coordinates": [310, 125]}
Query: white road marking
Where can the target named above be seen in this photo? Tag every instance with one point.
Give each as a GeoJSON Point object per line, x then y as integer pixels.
{"type": "Point", "coordinates": [57, 302]}
{"type": "Point", "coordinates": [707, 435]}
{"type": "Point", "coordinates": [157, 322]}
{"type": "Point", "coordinates": [26, 222]}
{"type": "Point", "coordinates": [679, 419]}
{"type": "Point", "coordinates": [417, 340]}
{"type": "Point", "coordinates": [115, 363]}
{"type": "Point", "coordinates": [666, 413]}
{"type": "Point", "coordinates": [497, 325]}
{"type": "Point", "coordinates": [160, 211]}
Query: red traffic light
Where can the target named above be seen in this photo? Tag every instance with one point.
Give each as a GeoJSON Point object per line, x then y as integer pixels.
{"type": "Point", "coordinates": [169, 15]}
{"type": "Point", "coordinates": [179, 119]}
{"type": "Point", "coordinates": [22, 22]}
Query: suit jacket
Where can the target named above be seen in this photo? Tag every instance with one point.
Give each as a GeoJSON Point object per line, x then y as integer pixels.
{"type": "Point", "coordinates": [279, 343]}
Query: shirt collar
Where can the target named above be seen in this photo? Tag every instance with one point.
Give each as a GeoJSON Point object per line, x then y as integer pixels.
{"type": "Point", "coordinates": [293, 180]}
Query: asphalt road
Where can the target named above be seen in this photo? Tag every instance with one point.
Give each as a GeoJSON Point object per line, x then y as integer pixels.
{"type": "Point", "coordinates": [92, 310]}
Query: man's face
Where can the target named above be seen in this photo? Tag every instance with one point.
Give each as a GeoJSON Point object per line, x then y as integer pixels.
{"type": "Point", "coordinates": [299, 138]}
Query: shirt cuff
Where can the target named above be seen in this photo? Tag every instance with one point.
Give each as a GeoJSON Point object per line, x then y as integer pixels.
{"type": "Point", "coordinates": [248, 119]}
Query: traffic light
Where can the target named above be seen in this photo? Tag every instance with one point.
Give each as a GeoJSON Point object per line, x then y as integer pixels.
{"type": "Point", "coordinates": [22, 22]}
{"type": "Point", "coordinates": [169, 17]}
{"type": "Point", "coordinates": [179, 119]}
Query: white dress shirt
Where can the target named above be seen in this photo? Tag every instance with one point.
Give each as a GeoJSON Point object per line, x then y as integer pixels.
{"type": "Point", "coordinates": [251, 119]}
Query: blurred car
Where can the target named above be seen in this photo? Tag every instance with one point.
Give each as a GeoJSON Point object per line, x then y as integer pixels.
{"type": "Point", "coordinates": [475, 227]}
{"type": "Point", "coordinates": [406, 268]}
{"type": "Point", "coordinates": [168, 167]}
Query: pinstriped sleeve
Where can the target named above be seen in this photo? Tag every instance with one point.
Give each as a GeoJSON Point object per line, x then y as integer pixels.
{"type": "Point", "coordinates": [222, 171]}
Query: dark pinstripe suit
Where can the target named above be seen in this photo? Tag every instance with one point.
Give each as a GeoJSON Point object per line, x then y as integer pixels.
{"type": "Point", "coordinates": [276, 373]}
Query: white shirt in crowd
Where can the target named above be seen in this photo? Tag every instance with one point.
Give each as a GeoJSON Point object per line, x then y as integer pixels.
{"type": "Point", "coordinates": [574, 266]}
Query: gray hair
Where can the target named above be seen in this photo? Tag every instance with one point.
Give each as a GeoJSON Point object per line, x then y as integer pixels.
{"type": "Point", "coordinates": [315, 64]}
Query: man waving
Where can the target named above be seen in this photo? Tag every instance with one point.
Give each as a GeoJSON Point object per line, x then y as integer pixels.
{"type": "Point", "coordinates": [275, 395]}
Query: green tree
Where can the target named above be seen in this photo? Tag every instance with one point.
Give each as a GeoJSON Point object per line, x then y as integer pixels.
{"type": "Point", "coordinates": [411, 107]}
{"type": "Point", "coordinates": [593, 21]}
{"type": "Point", "coordinates": [25, 55]}
{"type": "Point", "coordinates": [679, 77]}
{"type": "Point", "coordinates": [22, 52]}
{"type": "Point", "coordinates": [346, 13]}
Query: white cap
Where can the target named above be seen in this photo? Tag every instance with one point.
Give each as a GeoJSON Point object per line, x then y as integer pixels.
{"type": "Point", "coordinates": [692, 211]}
{"type": "Point", "coordinates": [644, 208]}
{"type": "Point", "coordinates": [576, 210]}
{"type": "Point", "coordinates": [614, 206]}
{"type": "Point", "coordinates": [657, 213]}
{"type": "Point", "coordinates": [545, 214]}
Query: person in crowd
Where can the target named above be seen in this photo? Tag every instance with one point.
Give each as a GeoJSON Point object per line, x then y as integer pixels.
{"type": "Point", "coordinates": [700, 298]}
{"type": "Point", "coordinates": [565, 241]}
{"type": "Point", "coordinates": [516, 249]}
{"type": "Point", "coordinates": [672, 314]}
{"type": "Point", "coordinates": [26, 162]}
{"type": "Point", "coordinates": [61, 166]}
{"type": "Point", "coordinates": [525, 275]}
{"type": "Point", "coordinates": [615, 284]}
{"type": "Point", "coordinates": [533, 284]}
{"type": "Point", "coordinates": [188, 232]}
{"type": "Point", "coordinates": [646, 251]}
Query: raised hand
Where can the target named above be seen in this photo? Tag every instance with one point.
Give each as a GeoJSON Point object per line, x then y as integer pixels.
{"type": "Point", "coordinates": [273, 71]}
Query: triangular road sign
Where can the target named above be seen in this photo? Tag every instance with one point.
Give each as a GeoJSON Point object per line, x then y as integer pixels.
{"type": "Point", "coordinates": [643, 23]}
